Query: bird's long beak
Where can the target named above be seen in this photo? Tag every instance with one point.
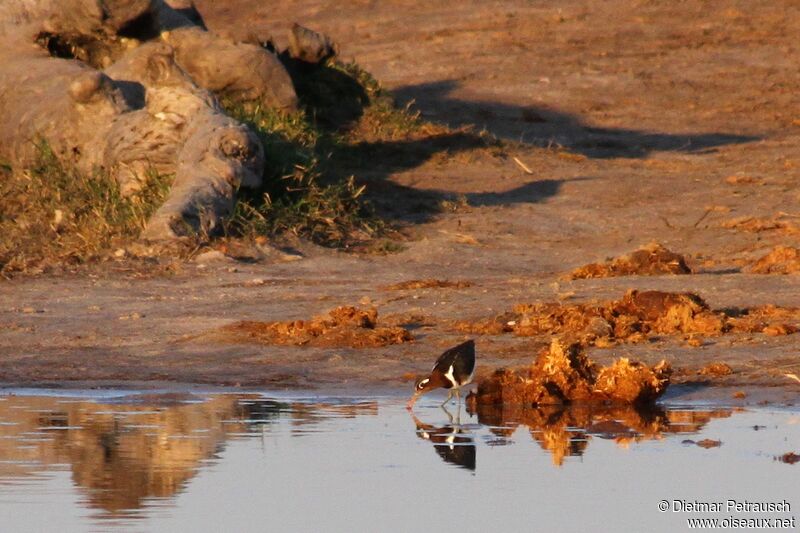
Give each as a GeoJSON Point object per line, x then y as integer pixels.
{"type": "Point", "coordinates": [412, 400]}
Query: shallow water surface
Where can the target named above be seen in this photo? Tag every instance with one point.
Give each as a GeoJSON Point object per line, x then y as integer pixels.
{"type": "Point", "coordinates": [253, 462]}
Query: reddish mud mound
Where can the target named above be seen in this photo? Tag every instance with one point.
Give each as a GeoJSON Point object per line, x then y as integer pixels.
{"type": "Point", "coordinates": [652, 260]}
{"type": "Point", "coordinates": [669, 312]}
{"type": "Point", "coordinates": [716, 369]}
{"type": "Point", "coordinates": [343, 327]}
{"type": "Point", "coordinates": [632, 382]}
{"type": "Point", "coordinates": [563, 375]}
{"type": "Point", "coordinates": [767, 319]}
{"type": "Point", "coordinates": [781, 260]}
{"type": "Point", "coordinates": [777, 223]}
{"type": "Point", "coordinates": [633, 318]}
{"type": "Point", "coordinates": [629, 319]}
{"type": "Point", "coordinates": [429, 283]}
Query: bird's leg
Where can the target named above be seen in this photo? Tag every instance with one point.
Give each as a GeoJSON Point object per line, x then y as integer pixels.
{"type": "Point", "coordinates": [458, 397]}
{"type": "Point", "coordinates": [449, 416]}
{"type": "Point", "coordinates": [449, 395]}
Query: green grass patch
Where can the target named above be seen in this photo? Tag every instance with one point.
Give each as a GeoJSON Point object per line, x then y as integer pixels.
{"type": "Point", "coordinates": [347, 125]}
{"type": "Point", "coordinates": [52, 214]}
{"type": "Point", "coordinates": [307, 190]}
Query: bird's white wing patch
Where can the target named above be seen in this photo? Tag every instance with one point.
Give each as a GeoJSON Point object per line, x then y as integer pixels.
{"type": "Point", "coordinates": [450, 377]}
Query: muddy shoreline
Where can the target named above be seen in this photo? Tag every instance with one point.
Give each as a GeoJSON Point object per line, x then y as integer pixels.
{"type": "Point", "coordinates": [687, 396]}
{"type": "Point", "coordinates": [108, 332]}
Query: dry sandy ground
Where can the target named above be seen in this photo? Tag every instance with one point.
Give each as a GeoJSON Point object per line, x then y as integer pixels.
{"type": "Point", "coordinates": [632, 116]}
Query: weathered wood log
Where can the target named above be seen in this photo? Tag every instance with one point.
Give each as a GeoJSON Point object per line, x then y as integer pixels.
{"type": "Point", "coordinates": [132, 91]}
{"type": "Point", "coordinates": [238, 70]}
{"type": "Point", "coordinates": [310, 46]}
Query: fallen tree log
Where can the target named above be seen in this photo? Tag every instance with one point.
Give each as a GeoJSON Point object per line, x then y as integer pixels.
{"type": "Point", "coordinates": [130, 86]}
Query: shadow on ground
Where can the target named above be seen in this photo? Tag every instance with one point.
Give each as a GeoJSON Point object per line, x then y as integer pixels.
{"type": "Point", "coordinates": [532, 192]}
{"type": "Point", "coordinates": [375, 162]}
{"type": "Point", "coordinates": [407, 204]}
{"type": "Point", "coordinates": [529, 125]}
{"type": "Point", "coordinates": [539, 126]}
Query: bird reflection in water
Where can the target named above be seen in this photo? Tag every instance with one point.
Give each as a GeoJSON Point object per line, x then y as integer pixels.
{"type": "Point", "coordinates": [453, 444]}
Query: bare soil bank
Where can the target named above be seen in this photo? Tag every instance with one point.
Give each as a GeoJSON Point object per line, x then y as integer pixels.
{"type": "Point", "coordinates": [675, 123]}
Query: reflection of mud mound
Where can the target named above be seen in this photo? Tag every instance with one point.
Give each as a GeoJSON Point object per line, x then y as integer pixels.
{"type": "Point", "coordinates": [119, 455]}
{"type": "Point", "coordinates": [789, 458]}
{"type": "Point", "coordinates": [781, 260]}
{"type": "Point", "coordinates": [343, 327]}
{"type": "Point", "coordinates": [563, 375]}
{"type": "Point", "coordinates": [629, 319]}
{"type": "Point", "coordinates": [652, 260]}
{"type": "Point", "coordinates": [705, 443]}
{"type": "Point", "coordinates": [428, 284]}
{"type": "Point", "coordinates": [568, 431]}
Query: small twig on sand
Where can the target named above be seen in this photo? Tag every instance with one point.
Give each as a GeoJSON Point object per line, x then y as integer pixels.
{"type": "Point", "coordinates": [699, 220]}
{"type": "Point", "coordinates": [523, 166]}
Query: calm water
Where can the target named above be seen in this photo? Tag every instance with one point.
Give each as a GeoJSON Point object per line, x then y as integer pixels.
{"type": "Point", "coordinates": [260, 463]}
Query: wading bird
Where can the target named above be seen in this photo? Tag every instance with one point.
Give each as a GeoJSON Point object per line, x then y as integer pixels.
{"type": "Point", "coordinates": [454, 369]}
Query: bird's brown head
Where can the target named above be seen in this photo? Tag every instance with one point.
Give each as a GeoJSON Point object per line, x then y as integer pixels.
{"type": "Point", "coordinates": [426, 384]}
{"type": "Point", "coordinates": [422, 385]}
{"type": "Point", "coordinates": [432, 381]}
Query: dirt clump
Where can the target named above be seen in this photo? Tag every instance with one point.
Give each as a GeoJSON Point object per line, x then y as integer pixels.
{"type": "Point", "coordinates": [781, 260]}
{"type": "Point", "coordinates": [429, 283]}
{"type": "Point", "coordinates": [632, 382]}
{"type": "Point", "coordinates": [563, 374]}
{"type": "Point", "coordinates": [630, 319]}
{"type": "Point", "coordinates": [760, 224]}
{"type": "Point", "coordinates": [768, 319]}
{"type": "Point", "coordinates": [636, 317]}
{"type": "Point", "coordinates": [652, 260]}
{"type": "Point", "coordinates": [695, 342]}
{"type": "Point", "coordinates": [342, 327]}
{"type": "Point", "coordinates": [789, 458]}
{"type": "Point", "coordinates": [409, 320]}
{"type": "Point", "coordinates": [743, 180]}
{"type": "Point", "coordinates": [669, 312]}
{"type": "Point", "coordinates": [775, 330]}
{"type": "Point", "coordinates": [716, 369]}
{"type": "Point", "coordinates": [504, 323]}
